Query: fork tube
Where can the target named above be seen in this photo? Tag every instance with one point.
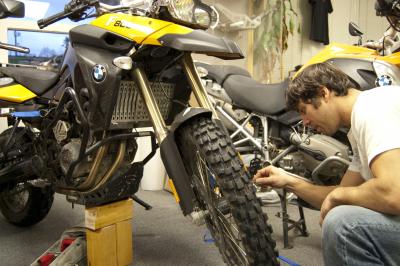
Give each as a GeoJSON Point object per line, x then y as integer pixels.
{"type": "Point", "coordinates": [157, 120]}
{"type": "Point", "coordinates": [195, 82]}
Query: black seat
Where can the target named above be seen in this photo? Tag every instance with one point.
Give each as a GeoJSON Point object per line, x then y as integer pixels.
{"type": "Point", "coordinates": [219, 73]}
{"type": "Point", "coordinates": [37, 81]}
{"type": "Point", "coordinates": [252, 95]}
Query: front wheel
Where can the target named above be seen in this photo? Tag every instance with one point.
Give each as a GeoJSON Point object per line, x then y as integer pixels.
{"type": "Point", "coordinates": [225, 195]}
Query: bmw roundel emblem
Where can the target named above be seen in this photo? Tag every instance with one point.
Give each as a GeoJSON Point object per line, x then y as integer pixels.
{"type": "Point", "coordinates": [99, 73]}
{"type": "Point", "coordinates": [383, 80]}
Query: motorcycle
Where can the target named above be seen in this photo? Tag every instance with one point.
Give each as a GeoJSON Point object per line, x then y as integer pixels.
{"type": "Point", "coordinates": [126, 69]}
{"type": "Point", "coordinates": [264, 130]}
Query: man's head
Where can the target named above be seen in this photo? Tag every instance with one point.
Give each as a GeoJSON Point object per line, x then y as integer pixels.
{"type": "Point", "coordinates": [308, 86]}
{"type": "Point", "coordinates": [312, 90]}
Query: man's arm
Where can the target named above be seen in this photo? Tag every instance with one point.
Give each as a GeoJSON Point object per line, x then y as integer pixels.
{"type": "Point", "coordinates": [381, 193]}
{"type": "Point", "coordinates": [313, 194]}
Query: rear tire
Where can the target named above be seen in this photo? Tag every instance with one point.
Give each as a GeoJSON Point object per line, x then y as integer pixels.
{"type": "Point", "coordinates": [26, 207]}
{"type": "Point", "coordinates": [21, 203]}
{"type": "Point", "coordinates": [225, 194]}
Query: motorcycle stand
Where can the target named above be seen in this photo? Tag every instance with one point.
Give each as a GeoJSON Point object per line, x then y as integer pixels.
{"type": "Point", "coordinates": [105, 240]}
{"type": "Point", "coordinates": [289, 224]}
{"type": "Point", "coordinates": [141, 202]}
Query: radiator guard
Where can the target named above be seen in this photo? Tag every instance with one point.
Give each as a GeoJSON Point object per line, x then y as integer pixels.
{"type": "Point", "coordinates": [130, 110]}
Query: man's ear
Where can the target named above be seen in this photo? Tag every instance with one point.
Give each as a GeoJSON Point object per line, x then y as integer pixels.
{"type": "Point", "coordinates": [325, 93]}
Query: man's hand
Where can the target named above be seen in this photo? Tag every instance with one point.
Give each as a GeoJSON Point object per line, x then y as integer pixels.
{"type": "Point", "coordinates": [272, 176]}
{"type": "Point", "coordinates": [329, 203]}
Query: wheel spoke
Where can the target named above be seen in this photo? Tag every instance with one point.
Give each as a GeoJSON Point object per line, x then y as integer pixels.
{"type": "Point", "coordinates": [224, 225]}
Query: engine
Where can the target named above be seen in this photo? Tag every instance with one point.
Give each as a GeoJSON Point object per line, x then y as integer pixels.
{"type": "Point", "coordinates": [320, 158]}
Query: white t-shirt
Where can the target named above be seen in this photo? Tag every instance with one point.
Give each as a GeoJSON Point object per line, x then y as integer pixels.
{"type": "Point", "coordinates": [375, 126]}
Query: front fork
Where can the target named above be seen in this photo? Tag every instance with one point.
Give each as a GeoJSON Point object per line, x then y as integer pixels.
{"type": "Point", "coordinates": [199, 92]}
{"type": "Point", "coordinates": [170, 154]}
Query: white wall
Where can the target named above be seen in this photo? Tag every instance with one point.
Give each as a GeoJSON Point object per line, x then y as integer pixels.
{"type": "Point", "coordinates": [301, 49]}
{"type": "Point", "coordinates": [362, 12]}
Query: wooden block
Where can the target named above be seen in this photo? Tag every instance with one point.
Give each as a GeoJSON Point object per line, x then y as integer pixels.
{"type": "Point", "coordinates": [102, 216]}
{"type": "Point", "coordinates": [124, 243]}
{"type": "Point", "coordinates": [102, 246]}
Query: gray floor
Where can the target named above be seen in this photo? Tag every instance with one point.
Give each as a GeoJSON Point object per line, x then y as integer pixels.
{"type": "Point", "coordinates": [161, 236]}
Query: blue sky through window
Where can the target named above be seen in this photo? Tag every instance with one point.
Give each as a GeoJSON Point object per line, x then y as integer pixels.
{"type": "Point", "coordinates": [38, 9]}
{"type": "Point", "coordinates": [54, 43]}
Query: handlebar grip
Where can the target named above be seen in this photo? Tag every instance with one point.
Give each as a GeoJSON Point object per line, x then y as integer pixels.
{"type": "Point", "coordinates": [15, 48]}
{"type": "Point", "coordinates": [52, 19]}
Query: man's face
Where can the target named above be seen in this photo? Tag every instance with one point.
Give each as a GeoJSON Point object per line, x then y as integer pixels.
{"type": "Point", "coordinates": [322, 118]}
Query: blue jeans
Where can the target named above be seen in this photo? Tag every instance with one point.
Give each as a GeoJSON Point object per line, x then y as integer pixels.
{"type": "Point", "coordinates": [353, 235]}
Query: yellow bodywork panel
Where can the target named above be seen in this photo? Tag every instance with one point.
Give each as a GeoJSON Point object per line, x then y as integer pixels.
{"type": "Point", "coordinates": [173, 189]}
{"type": "Point", "coordinates": [391, 59]}
{"type": "Point", "coordinates": [16, 93]}
{"type": "Point", "coordinates": [171, 29]}
{"type": "Point", "coordinates": [142, 30]}
{"type": "Point", "coordinates": [339, 50]}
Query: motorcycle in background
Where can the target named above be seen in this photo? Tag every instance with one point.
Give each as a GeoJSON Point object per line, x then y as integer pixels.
{"type": "Point", "coordinates": [260, 126]}
{"type": "Point", "coordinates": [128, 68]}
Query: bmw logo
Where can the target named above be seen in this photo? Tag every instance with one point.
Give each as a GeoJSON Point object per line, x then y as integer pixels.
{"type": "Point", "coordinates": [99, 73]}
{"type": "Point", "coordinates": [383, 80]}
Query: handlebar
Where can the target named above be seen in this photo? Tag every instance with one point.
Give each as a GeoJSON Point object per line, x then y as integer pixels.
{"type": "Point", "coordinates": [42, 23]}
{"type": "Point", "coordinates": [14, 48]}
{"type": "Point", "coordinates": [74, 7]}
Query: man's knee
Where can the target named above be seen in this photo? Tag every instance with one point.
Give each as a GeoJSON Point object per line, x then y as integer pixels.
{"type": "Point", "coordinates": [340, 222]}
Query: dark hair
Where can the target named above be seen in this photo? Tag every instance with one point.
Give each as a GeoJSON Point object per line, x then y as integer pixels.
{"type": "Point", "coordinates": [307, 86]}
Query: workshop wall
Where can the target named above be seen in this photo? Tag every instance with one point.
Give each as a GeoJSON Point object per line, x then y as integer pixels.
{"type": "Point", "coordinates": [300, 47]}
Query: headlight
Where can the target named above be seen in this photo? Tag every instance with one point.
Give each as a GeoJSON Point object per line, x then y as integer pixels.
{"type": "Point", "coordinates": [193, 12]}
{"type": "Point", "coordinates": [182, 10]}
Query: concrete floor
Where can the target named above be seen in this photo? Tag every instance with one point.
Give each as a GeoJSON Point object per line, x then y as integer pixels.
{"type": "Point", "coordinates": [161, 236]}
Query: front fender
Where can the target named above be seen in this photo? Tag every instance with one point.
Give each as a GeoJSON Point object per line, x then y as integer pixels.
{"type": "Point", "coordinates": [173, 162]}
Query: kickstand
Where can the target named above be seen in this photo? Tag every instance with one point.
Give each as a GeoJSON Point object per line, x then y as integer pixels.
{"type": "Point", "coordinates": [141, 202]}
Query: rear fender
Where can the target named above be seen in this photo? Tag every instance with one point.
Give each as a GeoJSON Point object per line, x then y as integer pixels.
{"type": "Point", "coordinates": [173, 162]}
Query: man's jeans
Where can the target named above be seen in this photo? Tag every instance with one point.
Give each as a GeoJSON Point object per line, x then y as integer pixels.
{"type": "Point", "coordinates": [354, 235]}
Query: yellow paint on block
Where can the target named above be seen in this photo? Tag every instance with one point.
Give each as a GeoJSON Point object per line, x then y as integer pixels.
{"type": "Point", "coordinates": [16, 93]}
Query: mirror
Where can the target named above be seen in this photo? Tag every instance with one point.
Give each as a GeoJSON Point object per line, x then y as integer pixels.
{"type": "Point", "coordinates": [354, 30]}
{"type": "Point", "coordinates": [11, 8]}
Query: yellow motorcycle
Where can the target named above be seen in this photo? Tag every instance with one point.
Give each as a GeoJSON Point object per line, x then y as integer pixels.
{"type": "Point", "coordinates": [370, 65]}
{"type": "Point", "coordinates": [128, 68]}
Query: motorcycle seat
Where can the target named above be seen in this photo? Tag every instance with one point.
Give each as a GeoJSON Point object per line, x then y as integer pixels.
{"type": "Point", "coordinates": [219, 73]}
{"type": "Point", "coordinates": [37, 81]}
{"type": "Point", "coordinates": [267, 99]}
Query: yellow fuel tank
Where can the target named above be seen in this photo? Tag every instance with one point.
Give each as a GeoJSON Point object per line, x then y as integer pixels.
{"type": "Point", "coordinates": [142, 30]}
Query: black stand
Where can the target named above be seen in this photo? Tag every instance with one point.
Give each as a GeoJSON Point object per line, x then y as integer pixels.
{"type": "Point", "coordinates": [141, 202]}
{"type": "Point", "coordinates": [289, 224]}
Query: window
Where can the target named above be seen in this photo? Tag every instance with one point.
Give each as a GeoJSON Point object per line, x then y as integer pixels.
{"type": "Point", "coordinates": [47, 53]}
